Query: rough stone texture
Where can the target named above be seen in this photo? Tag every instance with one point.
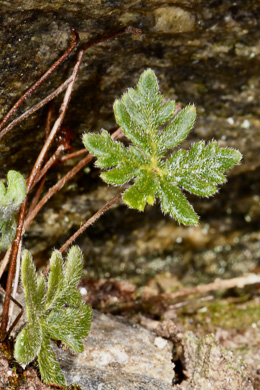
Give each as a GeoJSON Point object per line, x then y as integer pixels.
{"type": "Point", "coordinates": [4, 367]}
{"type": "Point", "coordinates": [120, 355]}
{"type": "Point", "coordinates": [208, 366]}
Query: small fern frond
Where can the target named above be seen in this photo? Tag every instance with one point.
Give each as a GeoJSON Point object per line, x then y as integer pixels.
{"type": "Point", "coordinates": [57, 313]}
{"type": "Point", "coordinates": [141, 113]}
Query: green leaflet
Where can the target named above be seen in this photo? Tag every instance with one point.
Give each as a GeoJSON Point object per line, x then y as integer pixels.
{"type": "Point", "coordinates": [178, 129]}
{"type": "Point", "coordinates": [28, 343]}
{"type": "Point", "coordinates": [10, 201]}
{"type": "Point", "coordinates": [58, 313]}
{"type": "Point", "coordinates": [175, 203]}
{"type": "Point", "coordinates": [141, 113]}
{"type": "Point", "coordinates": [70, 325]}
{"type": "Point", "coordinates": [49, 367]}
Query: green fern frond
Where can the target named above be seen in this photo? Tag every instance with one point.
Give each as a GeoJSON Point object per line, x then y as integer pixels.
{"type": "Point", "coordinates": [10, 201]}
{"type": "Point", "coordinates": [141, 113]}
{"type": "Point", "coordinates": [57, 313]}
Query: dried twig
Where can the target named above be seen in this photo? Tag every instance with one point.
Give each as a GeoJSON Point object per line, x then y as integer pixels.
{"type": "Point", "coordinates": [16, 280]}
{"type": "Point", "coordinates": [19, 315]}
{"type": "Point", "coordinates": [90, 221]}
{"type": "Point", "coordinates": [36, 107]}
{"type": "Point", "coordinates": [41, 80]}
{"type": "Point", "coordinates": [60, 184]}
{"type": "Point", "coordinates": [73, 155]}
{"type": "Point", "coordinates": [218, 284]}
{"type": "Point", "coordinates": [37, 194]}
{"type": "Point", "coordinates": [12, 265]}
{"type": "Point", "coordinates": [5, 261]}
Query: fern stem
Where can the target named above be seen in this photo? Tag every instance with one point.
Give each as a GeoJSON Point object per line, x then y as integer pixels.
{"type": "Point", "coordinates": [52, 160]}
{"type": "Point", "coordinates": [16, 280]}
{"type": "Point", "coordinates": [90, 221]}
{"type": "Point", "coordinates": [57, 124]}
{"type": "Point", "coordinates": [38, 192]}
{"type": "Point", "coordinates": [36, 107]}
{"type": "Point", "coordinates": [41, 80]}
{"type": "Point", "coordinates": [73, 155]}
{"type": "Point", "coordinates": [5, 261]}
{"type": "Point", "coordinates": [61, 183]}
{"type": "Point", "coordinates": [12, 265]}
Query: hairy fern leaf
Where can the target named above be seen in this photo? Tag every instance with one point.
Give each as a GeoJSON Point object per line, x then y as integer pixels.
{"type": "Point", "coordinates": [10, 201]}
{"type": "Point", "coordinates": [141, 114]}
{"type": "Point", "coordinates": [57, 313]}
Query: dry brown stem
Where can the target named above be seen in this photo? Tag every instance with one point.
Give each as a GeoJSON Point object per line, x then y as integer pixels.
{"type": "Point", "coordinates": [91, 220]}
{"type": "Point", "coordinates": [40, 81]}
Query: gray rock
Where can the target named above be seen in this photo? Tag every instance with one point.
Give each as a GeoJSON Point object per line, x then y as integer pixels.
{"type": "Point", "coordinates": [208, 366]}
{"type": "Point", "coordinates": [119, 355]}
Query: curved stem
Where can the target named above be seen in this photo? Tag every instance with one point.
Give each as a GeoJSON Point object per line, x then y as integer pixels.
{"type": "Point", "coordinates": [90, 221]}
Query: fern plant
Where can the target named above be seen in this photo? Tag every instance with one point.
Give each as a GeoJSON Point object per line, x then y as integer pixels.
{"type": "Point", "coordinates": [140, 114]}
{"type": "Point", "coordinates": [55, 309]}
{"type": "Point", "coordinates": [57, 313]}
{"type": "Point", "coordinates": [10, 201]}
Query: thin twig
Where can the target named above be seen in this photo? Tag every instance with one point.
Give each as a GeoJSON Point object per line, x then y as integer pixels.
{"type": "Point", "coordinates": [60, 184]}
{"type": "Point", "coordinates": [90, 221]}
{"type": "Point", "coordinates": [48, 120]}
{"type": "Point", "coordinates": [16, 280]}
{"type": "Point", "coordinates": [57, 123]}
{"type": "Point", "coordinates": [12, 265]}
{"type": "Point", "coordinates": [73, 155]}
{"type": "Point", "coordinates": [104, 38]}
{"type": "Point", "coordinates": [52, 160]}
{"type": "Point", "coordinates": [36, 107]}
{"type": "Point", "coordinates": [37, 194]}
{"type": "Point", "coordinates": [218, 284]}
{"type": "Point", "coordinates": [41, 80]}
{"type": "Point", "coordinates": [19, 315]}
{"type": "Point", "coordinates": [5, 261]}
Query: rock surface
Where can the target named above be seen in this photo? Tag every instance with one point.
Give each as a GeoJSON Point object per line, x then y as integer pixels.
{"type": "Point", "coordinates": [120, 355]}
{"type": "Point", "coordinates": [208, 366]}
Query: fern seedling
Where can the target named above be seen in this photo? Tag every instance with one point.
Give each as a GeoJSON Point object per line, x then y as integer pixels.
{"type": "Point", "coordinates": [10, 201]}
{"type": "Point", "coordinates": [140, 114]}
{"type": "Point", "coordinates": [57, 313]}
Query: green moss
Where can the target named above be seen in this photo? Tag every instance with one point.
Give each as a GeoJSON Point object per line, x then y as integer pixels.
{"type": "Point", "coordinates": [224, 314]}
